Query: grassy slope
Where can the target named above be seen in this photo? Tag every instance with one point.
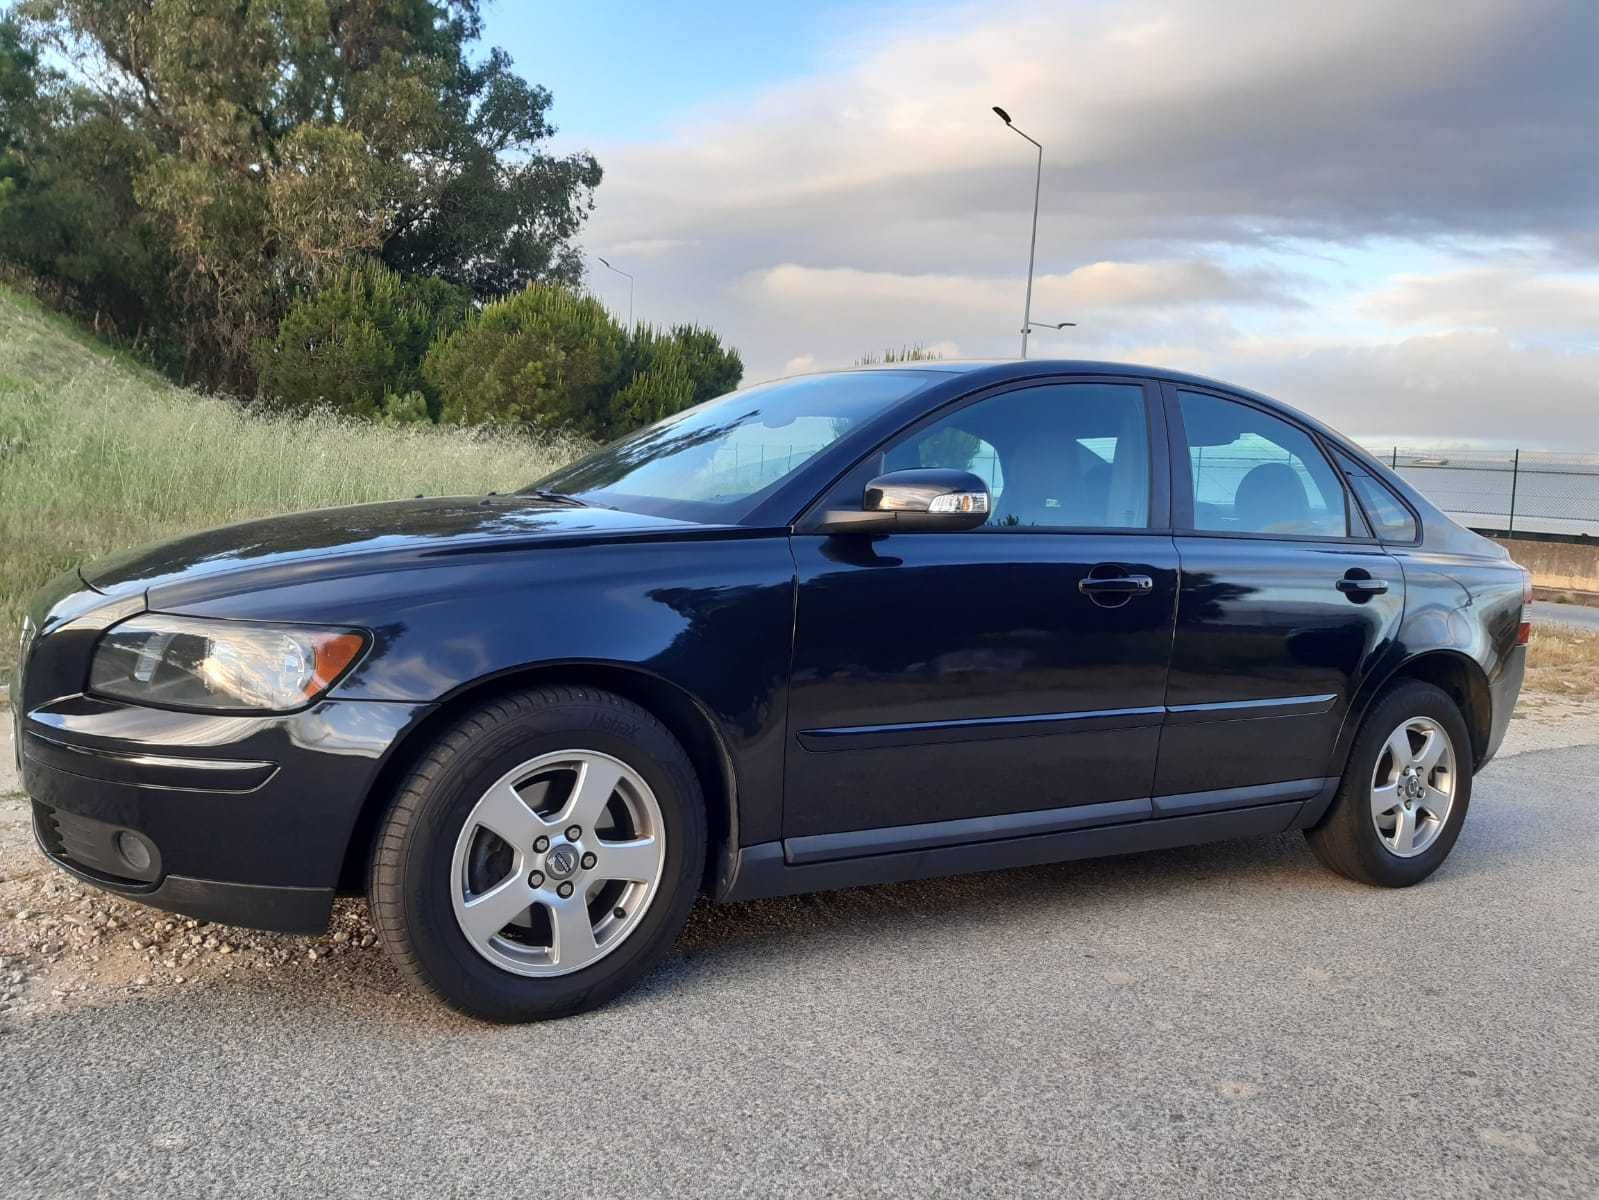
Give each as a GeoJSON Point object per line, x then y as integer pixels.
{"type": "Point", "coordinates": [98, 453]}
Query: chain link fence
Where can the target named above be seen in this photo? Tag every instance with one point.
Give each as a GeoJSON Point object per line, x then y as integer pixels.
{"type": "Point", "coordinates": [1510, 491]}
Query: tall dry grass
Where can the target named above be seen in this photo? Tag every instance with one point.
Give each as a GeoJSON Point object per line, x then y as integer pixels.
{"type": "Point", "coordinates": [97, 454]}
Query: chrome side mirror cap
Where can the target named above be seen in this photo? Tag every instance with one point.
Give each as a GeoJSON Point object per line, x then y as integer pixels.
{"type": "Point", "coordinates": [926, 500]}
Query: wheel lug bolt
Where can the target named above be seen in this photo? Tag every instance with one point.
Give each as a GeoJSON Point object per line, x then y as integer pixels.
{"type": "Point", "coordinates": [574, 832]}
{"type": "Point", "coordinates": [589, 860]}
{"type": "Point", "coordinates": [564, 890]}
{"type": "Point", "coordinates": [536, 879]}
{"type": "Point", "coordinates": [540, 844]}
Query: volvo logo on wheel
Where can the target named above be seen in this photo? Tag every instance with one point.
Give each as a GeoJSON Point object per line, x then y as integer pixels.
{"type": "Point", "coordinates": [562, 861]}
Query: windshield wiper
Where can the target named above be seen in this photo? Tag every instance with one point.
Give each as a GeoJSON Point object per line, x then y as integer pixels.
{"type": "Point", "coordinates": [553, 497]}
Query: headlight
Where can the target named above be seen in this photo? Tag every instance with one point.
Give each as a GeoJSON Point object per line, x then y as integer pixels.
{"type": "Point", "coordinates": [220, 666]}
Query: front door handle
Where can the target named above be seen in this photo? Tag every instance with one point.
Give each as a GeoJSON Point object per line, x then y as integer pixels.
{"type": "Point", "coordinates": [1358, 588]}
{"type": "Point", "coordinates": [1121, 585]}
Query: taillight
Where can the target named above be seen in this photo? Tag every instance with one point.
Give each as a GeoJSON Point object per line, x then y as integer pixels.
{"type": "Point", "coordinates": [1524, 634]}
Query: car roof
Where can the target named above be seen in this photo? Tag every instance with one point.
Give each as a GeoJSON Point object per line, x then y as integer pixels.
{"type": "Point", "coordinates": [1090, 366]}
{"type": "Point", "coordinates": [1023, 368]}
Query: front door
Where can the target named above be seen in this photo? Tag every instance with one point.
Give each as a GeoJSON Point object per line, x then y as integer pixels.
{"type": "Point", "coordinates": [1017, 668]}
{"type": "Point", "coordinates": [1286, 602]}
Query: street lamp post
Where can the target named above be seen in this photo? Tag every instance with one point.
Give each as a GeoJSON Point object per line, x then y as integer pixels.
{"type": "Point", "coordinates": [606, 264]}
{"type": "Point", "coordinates": [1032, 246]}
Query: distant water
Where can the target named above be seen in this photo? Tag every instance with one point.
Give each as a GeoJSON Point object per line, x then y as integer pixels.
{"type": "Point", "coordinates": [1553, 493]}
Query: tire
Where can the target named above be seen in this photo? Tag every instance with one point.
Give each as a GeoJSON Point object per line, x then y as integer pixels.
{"type": "Point", "coordinates": [1353, 838]}
{"type": "Point", "coordinates": [437, 859]}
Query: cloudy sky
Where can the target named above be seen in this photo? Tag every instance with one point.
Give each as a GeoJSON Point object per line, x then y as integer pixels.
{"type": "Point", "coordinates": [1383, 211]}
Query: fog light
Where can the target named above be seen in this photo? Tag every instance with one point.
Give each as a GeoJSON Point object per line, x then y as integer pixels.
{"type": "Point", "coordinates": [135, 850]}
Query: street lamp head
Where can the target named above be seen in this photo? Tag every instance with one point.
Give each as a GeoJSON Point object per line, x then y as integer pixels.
{"type": "Point", "coordinates": [604, 261]}
{"type": "Point", "coordinates": [1002, 114]}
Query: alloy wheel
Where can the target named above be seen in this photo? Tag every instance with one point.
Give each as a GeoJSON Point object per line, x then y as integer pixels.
{"type": "Point", "coordinates": [557, 863]}
{"type": "Point", "coordinates": [1413, 787]}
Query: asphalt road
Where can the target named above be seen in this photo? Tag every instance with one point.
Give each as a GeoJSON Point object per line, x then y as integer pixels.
{"type": "Point", "coordinates": [1225, 1020]}
{"type": "Point", "coordinates": [1584, 616]}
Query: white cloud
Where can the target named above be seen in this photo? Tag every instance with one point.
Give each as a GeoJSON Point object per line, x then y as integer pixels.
{"type": "Point", "coordinates": [1208, 162]}
{"type": "Point", "coordinates": [647, 247]}
{"type": "Point", "coordinates": [1514, 299]}
{"type": "Point", "coordinates": [1441, 388]}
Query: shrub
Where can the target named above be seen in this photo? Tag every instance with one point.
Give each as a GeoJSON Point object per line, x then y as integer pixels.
{"type": "Point", "coordinates": [904, 354]}
{"type": "Point", "coordinates": [659, 390]}
{"type": "Point", "coordinates": [715, 369]}
{"type": "Point", "coordinates": [543, 358]}
{"type": "Point", "coordinates": [556, 362]}
{"type": "Point", "coordinates": [356, 345]}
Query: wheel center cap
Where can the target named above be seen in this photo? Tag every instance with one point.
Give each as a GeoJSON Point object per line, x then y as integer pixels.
{"type": "Point", "coordinates": [561, 861]}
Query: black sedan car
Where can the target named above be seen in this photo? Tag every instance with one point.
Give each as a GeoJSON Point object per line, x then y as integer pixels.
{"type": "Point", "coordinates": [840, 629]}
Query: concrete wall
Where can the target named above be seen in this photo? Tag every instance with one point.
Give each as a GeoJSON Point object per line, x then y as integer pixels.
{"type": "Point", "coordinates": [1560, 566]}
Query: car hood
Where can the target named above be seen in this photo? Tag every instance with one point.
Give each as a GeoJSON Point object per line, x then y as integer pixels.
{"type": "Point", "coordinates": [326, 540]}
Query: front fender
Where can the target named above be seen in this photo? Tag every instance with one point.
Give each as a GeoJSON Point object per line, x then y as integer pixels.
{"type": "Point", "coordinates": [714, 618]}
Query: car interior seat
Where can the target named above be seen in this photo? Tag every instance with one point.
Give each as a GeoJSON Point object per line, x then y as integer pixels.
{"type": "Point", "coordinates": [1272, 498]}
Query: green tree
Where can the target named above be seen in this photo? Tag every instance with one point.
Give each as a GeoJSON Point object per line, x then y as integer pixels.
{"type": "Point", "coordinates": [23, 103]}
{"type": "Point", "coordinates": [662, 388]}
{"type": "Point", "coordinates": [67, 210]}
{"type": "Point", "coordinates": [544, 358]}
{"type": "Point", "coordinates": [356, 344]}
{"type": "Point", "coordinates": [282, 139]}
{"type": "Point", "coordinates": [556, 361]}
{"type": "Point", "coordinates": [715, 369]}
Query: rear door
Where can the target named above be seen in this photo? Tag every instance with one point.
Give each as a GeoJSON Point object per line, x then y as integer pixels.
{"type": "Point", "coordinates": [1286, 603]}
{"type": "Point", "coordinates": [1017, 668]}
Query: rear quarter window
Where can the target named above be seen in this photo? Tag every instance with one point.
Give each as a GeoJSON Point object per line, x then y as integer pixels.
{"type": "Point", "coordinates": [1390, 519]}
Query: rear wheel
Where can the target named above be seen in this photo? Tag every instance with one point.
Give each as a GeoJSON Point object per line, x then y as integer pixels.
{"type": "Point", "coordinates": [541, 856]}
{"type": "Point", "coordinates": [1405, 790]}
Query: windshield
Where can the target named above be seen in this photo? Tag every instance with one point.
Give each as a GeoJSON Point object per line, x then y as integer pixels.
{"type": "Point", "coordinates": [716, 461]}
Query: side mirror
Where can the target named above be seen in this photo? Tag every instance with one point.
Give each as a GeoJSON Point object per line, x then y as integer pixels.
{"type": "Point", "coordinates": [925, 500]}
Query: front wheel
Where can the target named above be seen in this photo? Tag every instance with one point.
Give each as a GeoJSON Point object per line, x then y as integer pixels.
{"type": "Point", "coordinates": [541, 856]}
{"type": "Point", "coordinates": [1405, 790]}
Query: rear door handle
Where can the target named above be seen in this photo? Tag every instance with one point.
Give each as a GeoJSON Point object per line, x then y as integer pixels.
{"type": "Point", "coordinates": [1358, 588]}
{"type": "Point", "coordinates": [1126, 585]}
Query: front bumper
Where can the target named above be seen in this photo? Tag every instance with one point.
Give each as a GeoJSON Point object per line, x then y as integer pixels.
{"type": "Point", "coordinates": [244, 820]}
{"type": "Point", "coordinates": [73, 842]}
{"type": "Point", "coordinates": [237, 818]}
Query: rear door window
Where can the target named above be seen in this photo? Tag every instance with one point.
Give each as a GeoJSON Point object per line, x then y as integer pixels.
{"type": "Point", "coordinates": [1254, 473]}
